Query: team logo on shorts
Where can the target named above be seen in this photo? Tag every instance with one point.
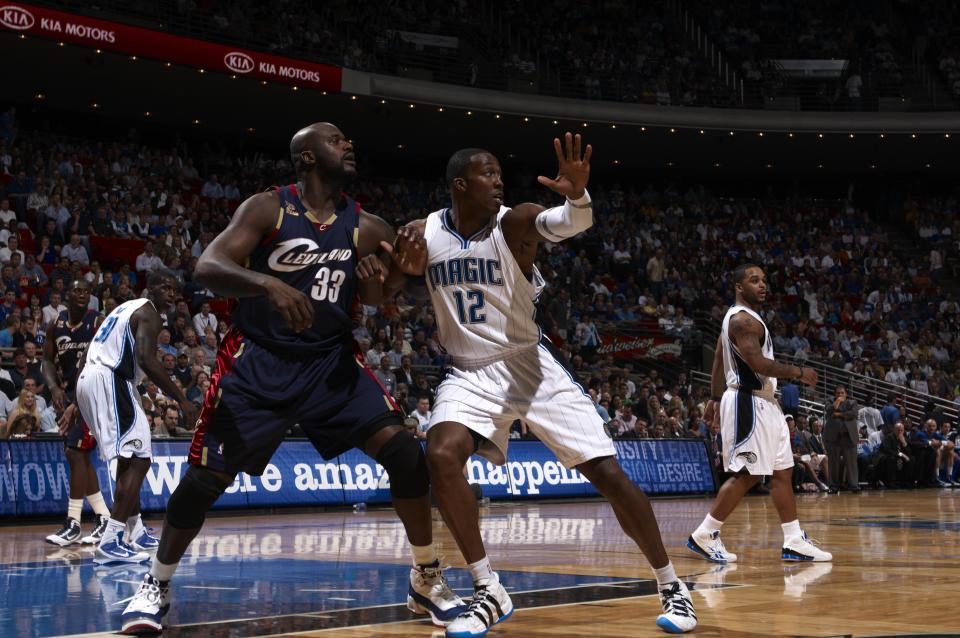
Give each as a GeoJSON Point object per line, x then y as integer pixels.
{"type": "Point", "coordinates": [748, 457]}
{"type": "Point", "coordinates": [136, 444]}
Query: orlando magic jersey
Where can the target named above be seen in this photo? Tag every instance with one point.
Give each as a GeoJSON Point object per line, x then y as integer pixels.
{"type": "Point", "coordinates": [113, 345]}
{"type": "Point", "coordinates": [484, 304]}
{"type": "Point", "coordinates": [738, 373]}
{"type": "Point", "coordinates": [71, 342]}
{"type": "Point", "coordinates": [316, 257]}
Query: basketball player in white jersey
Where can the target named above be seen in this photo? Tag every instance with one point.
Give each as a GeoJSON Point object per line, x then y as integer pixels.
{"type": "Point", "coordinates": [753, 431]}
{"type": "Point", "coordinates": [124, 348]}
{"type": "Point", "coordinates": [483, 285]}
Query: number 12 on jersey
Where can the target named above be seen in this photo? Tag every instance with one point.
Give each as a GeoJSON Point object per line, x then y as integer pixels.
{"type": "Point", "coordinates": [471, 314]}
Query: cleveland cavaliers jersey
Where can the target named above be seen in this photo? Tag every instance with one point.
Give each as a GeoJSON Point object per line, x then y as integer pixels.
{"type": "Point", "coordinates": [738, 373]}
{"type": "Point", "coordinates": [316, 257]}
{"type": "Point", "coordinates": [70, 342]}
{"type": "Point", "coordinates": [113, 345]}
{"type": "Point", "coordinates": [485, 305]}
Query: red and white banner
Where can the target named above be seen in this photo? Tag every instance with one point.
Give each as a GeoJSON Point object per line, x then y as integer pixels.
{"type": "Point", "coordinates": [122, 38]}
{"type": "Point", "coordinates": [639, 347]}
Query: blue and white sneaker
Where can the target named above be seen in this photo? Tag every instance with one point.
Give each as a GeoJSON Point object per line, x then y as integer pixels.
{"type": "Point", "coordinates": [491, 605]}
{"type": "Point", "coordinates": [678, 616]}
{"type": "Point", "coordinates": [146, 610]}
{"type": "Point", "coordinates": [801, 548]}
{"type": "Point", "coordinates": [429, 593]}
{"type": "Point", "coordinates": [117, 550]}
{"type": "Point", "coordinates": [709, 546]}
{"type": "Point", "coordinates": [143, 540]}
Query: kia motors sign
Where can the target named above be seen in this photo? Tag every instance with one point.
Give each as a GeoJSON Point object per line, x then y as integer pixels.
{"type": "Point", "coordinates": [238, 62]}
{"type": "Point", "coordinates": [130, 40]}
{"type": "Point", "coordinates": [17, 18]}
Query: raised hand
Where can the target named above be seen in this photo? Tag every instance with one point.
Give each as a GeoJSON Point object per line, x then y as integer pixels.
{"type": "Point", "coordinates": [573, 171]}
{"type": "Point", "coordinates": [409, 251]}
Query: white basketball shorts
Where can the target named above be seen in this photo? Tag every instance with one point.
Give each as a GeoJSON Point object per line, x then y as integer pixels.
{"type": "Point", "coordinates": [111, 407]}
{"type": "Point", "coordinates": [530, 385]}
{"type": "Point", "coordinates": [754, 433]}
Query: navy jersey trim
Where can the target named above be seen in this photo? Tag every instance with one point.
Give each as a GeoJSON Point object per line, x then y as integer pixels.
{"type": "Point", "coordinates": [448, 225]}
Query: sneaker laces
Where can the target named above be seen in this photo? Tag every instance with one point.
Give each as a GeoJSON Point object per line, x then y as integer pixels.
{"type": "Point", "coordinates": [810, 540]}
{"type": "Point", "coordinates": [675, 602]}
{"type": "Point", "coordinates": [150, 589]}
{"type": "Point", "coordinates": [438, 582]}
{"type": "Point", "coordinates": [483, 606]}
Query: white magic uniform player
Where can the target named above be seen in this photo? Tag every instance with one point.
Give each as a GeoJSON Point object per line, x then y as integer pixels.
{"type": "Point", "coordinates": [753, 430]}
{"type": "Point", "coordinates": [480, 274]}
{"type": "Point", "coordinates": [106, 392]}
{"type": "Point", "coordinates": [125, 346]}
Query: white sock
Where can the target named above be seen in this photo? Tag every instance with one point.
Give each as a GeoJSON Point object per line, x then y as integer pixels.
{"type": "Point", "coordinates": [710, 525]}
{"type": "Point", "coordinates": [791, 529]}
{"type": "Point", "coordinates": [133, 523]}
{"type": "Point", "coordinates": [114, 528]}
{"type": "Point", "coordinates": [99, 507]}
{"type": "Point", "coordinates": [665, 575]}
{"type": "Point", "coordinates": [74, 507]}
{"type": "Point", "coordinates": [481, 571]}
{"type": "Point", "coordinates": [423, 554]}
{"type": "Point", "coordinates": [162, 571]}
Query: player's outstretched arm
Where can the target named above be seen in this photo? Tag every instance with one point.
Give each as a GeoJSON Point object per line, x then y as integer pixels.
{"type": "Point", "coordinates": [388, 260]}
{"type": "Point", "coordinates": [530, 222]}
{"type": "Point", "coordinates": [148, 324]}
{"type": "Point", "coordinates": [221, 266]}
{"type": "Point", "coordinates": [747, 333]}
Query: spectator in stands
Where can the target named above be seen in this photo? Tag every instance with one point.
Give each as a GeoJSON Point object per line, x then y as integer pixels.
{"type": "Point", "coordinates": [891, 412]}
{"type": "Point", "coordinates": [374, 354]}
{"type": "Point", "coordinates": [925, 451]}
{"type": "Point", "coordinates": [197, 390]}
{"type": "Point", "coordinates": [198, 361]}
{"type": "Point", "coordinates": [182, 369]}
{"type": "Point", "coordinates": [12, 247]}
{"type": "Point", "coordinates": [9, 305]}
{"type": "Point", "coordinates": [30, 274]}
{"type": "Point", "coordinates": [148, 261]}
{"type": "Point", "coordinates": [212, 189]}
{"type": "Point", "coordinates": [21, 371]}
{"type": "Point", "coordinates": [205, 319]}
{"type": "Point", "coordinates": [46, 254]}
{"type": "Point", "coordinates": [894, 463]}
{"type": "Point", "coordinates": [63, 272]}
{"type": "Point", "coordinates": [209, 348]}
{"type": "Point", "coordinates": [405, 372]}
{"type": "Point", "coordinates": [387, 378]}
{"type": "Point", "coordinates": [24, 420]}
{"type": "Point", "coordinates": [602, 411]}
{"type": "Point", "coordinates": [803, 470]}
{"type": "Point", "coordinates": [6, 213]}
{"type": "Point", "coordinates": [790, 397]}
{"type": "Point", "coordinates": [173, 422]}
{"type": "Point", "coordinates": [7, 335]}
{"type": "Point", "coordinates": [422, 415]}
{"type": "Point", "coordinates": [75, 251]}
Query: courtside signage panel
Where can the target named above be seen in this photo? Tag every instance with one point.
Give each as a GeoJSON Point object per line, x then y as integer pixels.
{"type": "Point", "coordinates": [123, 38]}
{"type": "Point", "coordinates": [34, 475]}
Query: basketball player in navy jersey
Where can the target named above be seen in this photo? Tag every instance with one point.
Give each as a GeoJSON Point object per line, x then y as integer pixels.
{"type": "Point", "coordinates": [484, 283]}
{"type": "Point", "coordinates": [67, 339]}
{"type": "Point", "coordinates": [290, 359]}
{"type": "Point", "coordinates": [753, 430]}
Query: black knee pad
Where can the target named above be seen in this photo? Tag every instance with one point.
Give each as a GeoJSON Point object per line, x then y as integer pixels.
{"type": "Point", "coordinates": [199, 489]}
{"type": "Point", "coordinates": [403, 459]}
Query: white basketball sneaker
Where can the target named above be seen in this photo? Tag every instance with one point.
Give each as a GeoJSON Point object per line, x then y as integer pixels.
{"type": "Point", "coordinates": [490, 605]}
{"type": "Point", "coordinates": [146, 610]}
{"type": "Point", "coordinates": [801, 548]}
{"type": "Point", "coordinates": [429, 593]}
{"type": "Point", "coordinates": [678, 616]}
{"type": "Point", "coordinates": [709, 546]}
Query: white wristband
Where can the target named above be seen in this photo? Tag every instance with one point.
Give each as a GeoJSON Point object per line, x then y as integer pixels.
{"type": "Point", "coordinates": [581, 202]}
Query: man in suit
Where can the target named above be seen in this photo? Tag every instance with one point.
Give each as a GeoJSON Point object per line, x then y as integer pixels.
{"type": "Point", "coordinates": [715, 452]}
{"type": "Point", "coordinates": [840, 437]}
{"type": "Point", "coordinates": [813, 439]}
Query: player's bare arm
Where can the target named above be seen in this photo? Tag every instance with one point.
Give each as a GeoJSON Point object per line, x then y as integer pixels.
{"type": "Point", "coordinates": [387, 260]}
{"type": "Point", "coordinates": [717, 384]}
{"type": "Point", "coordinates": [747, 334]}
{"type": "Point", "coordinates": [146, 323]}
{"type": "Point", "coordinates": [49, 368]}
{"type": "Point", "coordinates": [221, 267]}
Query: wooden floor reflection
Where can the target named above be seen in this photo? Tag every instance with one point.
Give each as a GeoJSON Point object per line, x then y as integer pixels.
{"type": "Point", "coordinates": [897, 563]}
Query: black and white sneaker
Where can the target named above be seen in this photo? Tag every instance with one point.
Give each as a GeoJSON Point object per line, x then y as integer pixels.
{"type": "Point", "coordinates": [68, 534]}
{"type": "Point", "coordinates": [490, 605]}
{"type": "Point", "coordinates": [678, 616]}
{"type": "Point", "coordinates": [94, 537]}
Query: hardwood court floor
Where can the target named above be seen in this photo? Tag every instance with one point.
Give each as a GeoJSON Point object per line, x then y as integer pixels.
{"type": "Point", "coordinates": [571, 571]}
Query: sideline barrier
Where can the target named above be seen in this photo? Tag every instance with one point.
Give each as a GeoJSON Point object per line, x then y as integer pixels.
{"type": "Point", "coordinates": [34, 476]}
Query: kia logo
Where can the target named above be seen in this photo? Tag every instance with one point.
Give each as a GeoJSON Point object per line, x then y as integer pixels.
{"type": "Point", "coordinates": [16, 18]}
{"type": "Point", "coordinates": [238, 62]}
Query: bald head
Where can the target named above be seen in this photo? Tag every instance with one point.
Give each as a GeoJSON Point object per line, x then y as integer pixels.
{"type": "Point", "coordinates": [322, 146]}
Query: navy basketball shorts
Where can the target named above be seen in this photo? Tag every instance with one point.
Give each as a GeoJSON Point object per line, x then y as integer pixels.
{"type": "Point", "coordinates": [78, 436]}
{"type": "Point", "coordinates": [256, 395]}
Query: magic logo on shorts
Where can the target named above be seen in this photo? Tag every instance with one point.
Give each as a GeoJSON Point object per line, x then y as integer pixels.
{"type": "Point", "coordinates": [748, 457]}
